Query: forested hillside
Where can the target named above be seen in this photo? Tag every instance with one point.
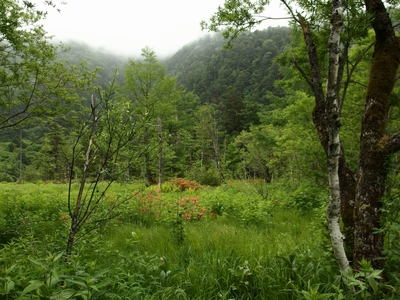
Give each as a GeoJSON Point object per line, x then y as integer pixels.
{"type": "Point", "coordinates": [207, 68]}
{"type": "Point", "coordinates": [218, 93]}
{"type": "Point", "coordinates": [235, 79]}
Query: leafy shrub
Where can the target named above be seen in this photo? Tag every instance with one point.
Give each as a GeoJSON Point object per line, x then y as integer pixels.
{"type": "Point", "coordinates": [306, 200]}
{"type": "Point", "coordinates": [217, 208]}
{"type": "Point", "coordinates": [5, 177]}
{"type": "Point", "coordinates": [179, 184]}
{"type": "Point", "coordinates": [29, 273]}
{"type": "Point", "coordinates": [210, 177]}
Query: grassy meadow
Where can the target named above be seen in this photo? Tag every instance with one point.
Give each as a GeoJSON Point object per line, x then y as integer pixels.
{"type": "Point", "coordinates": [184, 241]}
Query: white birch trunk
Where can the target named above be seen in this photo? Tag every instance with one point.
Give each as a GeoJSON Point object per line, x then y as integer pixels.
{"type": "Point", "coordinates": [334, 147]}
{"type": "Point", "coordinates": [160, 153]}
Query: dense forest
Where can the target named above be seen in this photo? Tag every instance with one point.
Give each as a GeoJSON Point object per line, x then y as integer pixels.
{"type": "Point", "coordinates": [219, 93]}
{"type": "Point", "coordinates": [227, 113]}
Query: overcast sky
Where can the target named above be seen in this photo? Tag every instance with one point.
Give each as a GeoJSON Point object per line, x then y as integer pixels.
{"type": "Point", "coordinates": [127, 26]}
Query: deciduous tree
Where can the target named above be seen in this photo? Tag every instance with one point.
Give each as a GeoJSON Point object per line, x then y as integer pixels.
{"type": "Point", "coordinates": [152, 94]}
{"type": "Point", "coordinates": [99, 142]}
{"type": "Point", "coordinates": [344, 24]}
{"type": "Point", "coordinates": [33, 83]}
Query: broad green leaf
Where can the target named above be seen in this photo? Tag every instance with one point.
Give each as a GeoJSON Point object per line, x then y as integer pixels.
{"type": "Point", "coordinates": [53, 279]}
{"type": "Point", "coordinates": [64, 294]}
{"type": "Point", "coordinates": [372, 282]}
{"type": "Point", "coordinates": [8, 286]}
{"type": "Point", "coordinates": [34, 285]}
{"type": "Point", "coordinates": [77, 282]}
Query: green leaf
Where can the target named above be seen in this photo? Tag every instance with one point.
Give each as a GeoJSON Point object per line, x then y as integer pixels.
{"type": "Point", "coordinates": [8, 270]}
{"type": "Point", "coordinates": [372, 282]}
{"type": "Point", "coordinates": [44, 291]}
{"type": "Point", "coordinates": [8, 286]}
{"type": "Point", "coordinates": [34, 285]}
{"type": "Point", "coordinates": [53, 279]}
{"type": "Point", "coordinates": [65, 294]}
{"type": "Point", "coordinates": [58, 256]}
{"type": "Point", "coordinates": [104, 284]}
{"type": "Point", "coordinates": [39, 263]}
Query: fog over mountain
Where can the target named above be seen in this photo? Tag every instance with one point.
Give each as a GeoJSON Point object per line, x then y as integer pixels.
{"type": "Point", "coordinates": [125, 27]}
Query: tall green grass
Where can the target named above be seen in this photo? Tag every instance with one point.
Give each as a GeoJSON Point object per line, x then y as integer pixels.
{"type": "Point", "coordinates": [222, 258]}
{"type": "Point", "coordinates": [235, 245]}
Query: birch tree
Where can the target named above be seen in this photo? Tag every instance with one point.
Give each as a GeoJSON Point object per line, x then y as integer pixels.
{"type": "Point", "coordinates": [361, 198]}
{"type": "Point", "coordinates": [334, 145]}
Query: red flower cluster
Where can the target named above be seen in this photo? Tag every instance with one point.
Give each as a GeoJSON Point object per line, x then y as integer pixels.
{"type": "Point", "coordinates": [190, 208]}
{"type": "Point", "coordinates": [64, 218]}
{"type": "Point", "coordinates": [183, 184]}
{"type": "Point", "coordinates": [162, 209]}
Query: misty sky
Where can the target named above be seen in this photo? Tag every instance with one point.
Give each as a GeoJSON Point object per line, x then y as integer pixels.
{"type": "Point", "coordinates": [127, 26]}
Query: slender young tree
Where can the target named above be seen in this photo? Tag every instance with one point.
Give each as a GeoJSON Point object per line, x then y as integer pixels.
{"type": "Point", "coordinates": [160, 152]}
{"type": "Point", "coordinates": [102, 138]}
{"type": "Point", "coordinates": [334, 144]}
{"type": "Point", "coordinates": [207, 132]}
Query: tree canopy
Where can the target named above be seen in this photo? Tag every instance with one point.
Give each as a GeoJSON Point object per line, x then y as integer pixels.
{"type": "Point", "coordinates": [33, 83]}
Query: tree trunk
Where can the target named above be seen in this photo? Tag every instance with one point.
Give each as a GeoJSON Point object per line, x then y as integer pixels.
{"type": "Point", "coordinates": [374, 152]}
{"type": "Point", "coordinates": [347, 201]}
{"type": "Point", "coordinates": [215, 141]}
{"type": "Point", "coordinates": [344, 190]}
{"type": "Point", "coordinates": [334, 144]}
{"type": "Point", "coordinates": [20, 157]}
{"type": "Point", "coordinates": [160, 153]}
{"type": "Point", "coordinates": [148, 176]}
{"type": "Point", "coordinates": [74, 213]}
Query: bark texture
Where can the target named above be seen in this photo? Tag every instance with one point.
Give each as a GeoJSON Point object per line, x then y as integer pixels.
{"type": "Point", "coordinates": [374, 145]}
{"type": "Point", "coordinates": [334, 145]}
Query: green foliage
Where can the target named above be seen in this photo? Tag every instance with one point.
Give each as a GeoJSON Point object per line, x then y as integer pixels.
{"type": "Point", "coordinates": [284, 148]}
{"type": "Point", "coordinates": [391, 227]}
{"type": "Point", "coordinates": [153, 97]}
{"type": "Point", "coordinates": [236, 17]}
{"type": "Point", "coordinates": [210, 177]}
{"type": "Point", "coordinates": [178, 229]}
{"type": "Point", "coordinates": [309, 200]}
{"type": "Point", "coordinates": [235, 80]}
{"type": "Point", "coordinates": [8, 162]}
{"type": "Point", "coordinates": [243, 247]}
{"type": "Point", "coordinates": [257, 151]}
{"type": "Point", "coordinates": [34, 84]}
{"type": "Point", "coordinates": [233, 241]}
{"type": "Point", "coordinates": [45, 147]}
{"type": "Point", "coordinates": [368, 283]}
{"type": "Point", "coordinates": [48, 276]}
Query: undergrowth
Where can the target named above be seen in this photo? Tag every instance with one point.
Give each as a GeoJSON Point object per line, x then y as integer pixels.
{"type": "Point", "coordinates": [185, 241]}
